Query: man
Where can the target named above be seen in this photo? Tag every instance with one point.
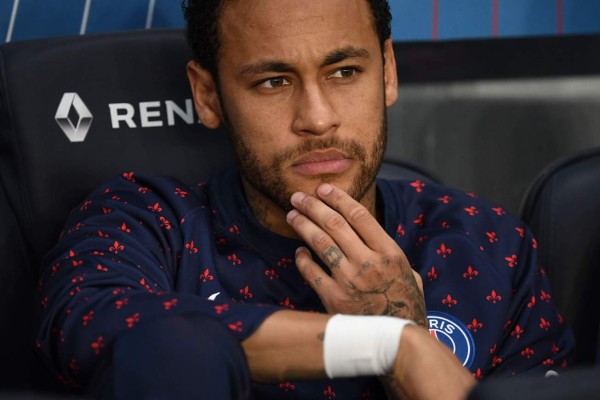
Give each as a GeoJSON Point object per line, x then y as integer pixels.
{"type": "Point", "coordinates": [162, 282]}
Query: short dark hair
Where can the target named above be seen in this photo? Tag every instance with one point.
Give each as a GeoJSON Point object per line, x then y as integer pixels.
{"type": "Point", "coordinates": [203, 16]}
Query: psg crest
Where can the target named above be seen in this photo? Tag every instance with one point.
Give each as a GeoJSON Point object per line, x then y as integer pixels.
{"type": "Point", "coordinates": [453, 333]}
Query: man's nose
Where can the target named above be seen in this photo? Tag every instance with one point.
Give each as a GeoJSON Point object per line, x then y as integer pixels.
{"type": "Point", "coordinates": [315, 114]}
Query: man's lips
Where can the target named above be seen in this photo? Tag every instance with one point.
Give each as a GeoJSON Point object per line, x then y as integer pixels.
{"type": "Point", "coordinates": [322, 162]}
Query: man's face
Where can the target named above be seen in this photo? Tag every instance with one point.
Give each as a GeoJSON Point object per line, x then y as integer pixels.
{"type": "Point", "coordinates": [304, 93]}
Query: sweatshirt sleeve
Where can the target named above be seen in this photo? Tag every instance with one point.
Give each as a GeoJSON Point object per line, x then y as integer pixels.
{"type": "Point", "coordinates": [116, 265]}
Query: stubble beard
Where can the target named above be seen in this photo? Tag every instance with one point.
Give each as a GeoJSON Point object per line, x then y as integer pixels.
{"type": "Point", "coordinates": [268, 179]}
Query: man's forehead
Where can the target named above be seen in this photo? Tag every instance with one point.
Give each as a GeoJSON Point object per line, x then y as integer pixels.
{"type": "Point", "coordinates": [276, 25]}
{"type": "Point", "coordinates": [298, 17]}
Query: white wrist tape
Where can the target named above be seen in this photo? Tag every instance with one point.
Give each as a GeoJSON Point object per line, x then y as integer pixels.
{"type": "Point", "coordinates": [361, 345]}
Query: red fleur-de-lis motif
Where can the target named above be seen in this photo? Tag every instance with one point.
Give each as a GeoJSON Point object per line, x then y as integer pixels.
{"type": "Point", "coordinates": [544, 324]}
{"type": "Point", "coordinates": [445, 199]}
{"type": "Point", "coordinates": [129, 176]}
{"type": "Point", "coordinates": [143, 190]}
{"type": "Point", "coordinates": [272, 274]}
{"type": "Point", "coordinates": [418, 185]}
{"type": "Point", "coordinates": [478, 375]}
{"type": "Point", "coordinates": [554, 349]}
{"type": "Point", "coordinates": [449, 301]}
{"type": "Point", "coordinates": [246, 292]}
{"type": "Point", "coordinates": [471, 210]}
{"type": "Point", "coordinates": [77, 279]}
{"type": "Point", "coordinates": [98, 345]}
{"type": "Point", "coordinates": [85, 205]}
{"type": "Point", "coordinates": [287, 387]}
{"type": "Point", "coordinates": [115, 197]}
{"type": "Point", "coordinates": [445, 225]}
{"type": "Point", "coordinates": [444, 251]}
{"type": "Point", "coordinates": [234, 259]}
{"type": "Point", "coordinates": [287, 304]}
{"type": "Point", "coordinates": [471, 194]}
{"type": "Point", "coordinates": [545, 296]}
{"type": "Point", "coordinates": [496, 361]}
{"type": "Point", "coordinates": [421, 240]}
{"type": "Point", "coordinates": [561, 319]}
{"type": "Point", "coordinates": [284, 262]}
{"type": "Point", "coordinates": [191, 248]}
{"type": "Point", "coordinates": [475, 325]}
{"type": "Point", "coordinates": [329, 393]}
{"type": "Point", "coordinates": [106, 210]}
{"type": "Point", "coordinates": [121, 303]}
{"type": "Point", "coordinates": [517, 332]}
{"type": "Point", "coordinates": [493, 297]}
{"type": "Point", "coordinates": [498, 210]}
{"type": "Point", "coordinates": [521, 231]}
{"type": "Point", "coordinates": [511, 260]}
{"type": "Point", "coordinates": [206, 276]}
{"type": "Point", "coordinates": [527, 352]}
{"type": "Point", "coordinates": [155, 207]}
{"type": "Point", "coordinates": [400, 230]}
{"type": "Point", "coordinates": [234, 229]}
{"type": "Point", "coordinates": [169, 304]}
{"type": "Point", "coordinates": [531, 303]}
{"type": "Point", "coordinates": [72, 254]}
{"type": "Point", "coordinates": [180, 193]}
{"type": "Point", "coordinates": [164, 223]}
{"type": "Point", "coordinates": [134, 319]}
{"type": "Point", "coordinates": [116, 247]}
{"type": "Point", "coordinates": [222, 308]}
{"type": "Point", "coordinates": [54, 269]}
{"type": "Point", "coordinates": [118, 291]}
{"type": "Point", "coordinates": [101, 268]}
{"type": "Point", "coordinates": [471, 273]}
{"type": "Point", "coordinates": [77, 263]}
{"type": "Point", "coordinates": [102, 234]}
{"type": "Point", "coordinates": [432, 274]}
{"type": "Point", "coordinates": [534, 243]}
{"type": "Point", "coordinates": [237, 326]}
{"type": "Point", "coordinates": [493, 349]}
{"type": "Point", "coordinates": [548, 362]}
{"type": "Point", "coordinates": [492, 237]}
{"type": "Point", "coordinates": [87, 318]}
{"type": "Point", "coordinates": [124, 228]}
{"type": "Point", "coordinates": [420, 220]}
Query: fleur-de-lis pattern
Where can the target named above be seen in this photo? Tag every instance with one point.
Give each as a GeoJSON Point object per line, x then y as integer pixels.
{"type": "Point", "coordinates": [166, 247]}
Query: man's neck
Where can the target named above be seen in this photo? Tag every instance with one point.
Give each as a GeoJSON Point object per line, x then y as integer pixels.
{"type": "Point", "coordinates": [273, 217]}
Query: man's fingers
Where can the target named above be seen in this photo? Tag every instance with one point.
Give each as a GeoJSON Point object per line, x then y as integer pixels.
{"type": "Point", "coordinates": [325, 222]}
{"type": "Point", "coordinates": [325, 247]}
{"type": "Point", "coordinates": [357, 216]}
{"type": "Point", "coordinates": [313, 273]}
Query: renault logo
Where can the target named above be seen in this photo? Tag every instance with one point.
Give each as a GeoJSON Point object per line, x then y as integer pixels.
{"type": "Point", "coordinates": [75, 132]}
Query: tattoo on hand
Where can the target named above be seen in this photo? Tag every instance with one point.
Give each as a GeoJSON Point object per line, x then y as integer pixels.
{"type": "Point", "coordinates": [332, 257]}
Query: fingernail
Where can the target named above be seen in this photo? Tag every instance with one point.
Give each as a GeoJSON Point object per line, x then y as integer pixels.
{"type": "Point", "coordinates": [291, 215]}
{"type": "Point", "coordinates": [299, 250]}
{"type": "Point", "coordinates": [324, 189]}
{"type": "Point", "coordinates": [297, 198]}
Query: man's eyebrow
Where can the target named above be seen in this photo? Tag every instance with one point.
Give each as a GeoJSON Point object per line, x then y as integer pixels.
{"type": "Point", "coordinates": [267, 66]}
{"type": "Point", "coordinates": [340, 55]}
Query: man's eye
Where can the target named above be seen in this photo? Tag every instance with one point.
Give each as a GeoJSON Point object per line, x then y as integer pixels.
{"type": "Point", "coordinates": [273, 83]}
{"type": "Point", "coordinates": [344, 73]}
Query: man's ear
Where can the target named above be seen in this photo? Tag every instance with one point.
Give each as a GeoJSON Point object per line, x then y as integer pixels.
{"type": "Point", "coordinates": [390, 74]}
{"type": "Point", "coordinates": [205, 95]}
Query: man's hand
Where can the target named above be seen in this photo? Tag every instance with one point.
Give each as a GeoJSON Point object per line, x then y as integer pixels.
{"type": "Point", "coordinates": [370, 273]}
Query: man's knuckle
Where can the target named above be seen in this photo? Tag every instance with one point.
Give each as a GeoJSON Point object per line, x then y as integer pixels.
{"type": "Point", "coordinates": [359, 214]}
{"type": "Point", "coordinates": [335, 222]}
{"type": "Point", "coordinates": [320, 240]}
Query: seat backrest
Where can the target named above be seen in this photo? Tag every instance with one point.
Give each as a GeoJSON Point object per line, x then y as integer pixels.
{"type": "Point", "coordinates": [75, 111]}
{"type": "Point", "coordinates": [562, 207]}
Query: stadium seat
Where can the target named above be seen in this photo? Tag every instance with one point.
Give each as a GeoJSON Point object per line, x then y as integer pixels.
{"type": "Point", "coordinates": [75, 111]}
{"type": "Point", "coordinates": [562, 207]}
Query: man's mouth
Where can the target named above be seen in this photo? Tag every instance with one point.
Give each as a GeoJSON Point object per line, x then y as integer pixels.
{"type": "Point", "coordinates": [322, 162]}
